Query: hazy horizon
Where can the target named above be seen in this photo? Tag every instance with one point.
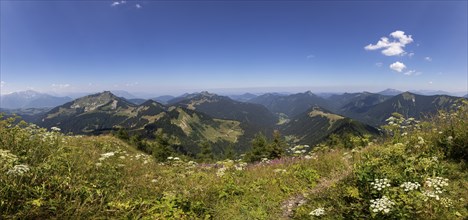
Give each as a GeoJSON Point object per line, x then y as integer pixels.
{"type": "Point", "coordinates": [233, 47]}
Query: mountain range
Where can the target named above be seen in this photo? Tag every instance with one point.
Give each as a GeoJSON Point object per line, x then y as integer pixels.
{"type": "Point", "coordinates": [190, 119]}
{"type": "Point", "coordinates": [31, 99]}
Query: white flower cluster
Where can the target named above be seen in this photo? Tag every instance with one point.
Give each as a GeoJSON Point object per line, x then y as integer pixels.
{"type": "Point", "coordinates": [312, 156]}
{"type": "Point", "coordinates": [240, 166]}
{"type": "Point", "coordinates": [18, 170]}
{"type": "Point", "coordinates": [146, 158]}
{"type": "Point", "coordinates": [402, 122]}
{"type": "Point", "coordinates": [7, 159]}
{"type": "Point", "coordinates": [430, 194]}
{"type": "Point", "coordinates": [383, 205]}
{"type": "Point", "coordinates": [299, 149]}
{"type": "Point", "coordinates": [446, 202]}
{"type": "Point", "coordinates": [279, 170]}
{"type": "Point", "coordinates": [265, 160]}
{"type": "Point", "coordinates": [410, 186]}
{"type": "Point", "coordinates": [221, 171]}
{"type": "Point", "coordinates": [56, 129]}
{"type": "Point", "coordinates": [318, 212]}
{"type": "Point", "coordinates": [437, 184]}
{"type": "Point", "coordinates": [380, 184]}
{"type": "Point", "coordinates": [106, 155]}
{"type": "Point", "coordinates": [192, 164]}
{"type": "Point", "coordinates": [173, 158]}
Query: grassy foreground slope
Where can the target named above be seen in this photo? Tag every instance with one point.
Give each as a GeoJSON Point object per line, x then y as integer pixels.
{"type": "Point", "coordinates": [417, 172]}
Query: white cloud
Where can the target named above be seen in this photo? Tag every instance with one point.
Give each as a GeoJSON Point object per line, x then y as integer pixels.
{"type": "Point", "coordinates": [397, 66]}
{"type": "Point", "coordinates": [60, 86]}
{"type": "Point", "coordinates": [116, 3]}
{"type": "Point", "coordinates": [2, 83]}
{"type": "Point", "coordinates": [138, 6]}
{"type": "Point", "coordinates": [379, 64]}
{"type": "Point", "coordinates": [429, 59]}
{"type": "Point", "coordinates": [410, 55]}
{"type": "Point", "coordinates": [392, 48]}
{"type": "Point", "coordinates": [400, 35]}
{"type": "Point", "coordinates": [430, 82]}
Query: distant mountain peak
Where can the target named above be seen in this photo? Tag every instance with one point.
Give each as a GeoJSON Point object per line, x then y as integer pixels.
{"type": "Point", "coordinates": [95, 101]}
{"type": "Point", "coordinates": [206, 93]}
{"type": "Point", "coordinates": [390, 92]}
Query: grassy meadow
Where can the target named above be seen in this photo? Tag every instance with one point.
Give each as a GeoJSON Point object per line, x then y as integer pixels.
{"type": "Point", "coordinates": [417, 170]}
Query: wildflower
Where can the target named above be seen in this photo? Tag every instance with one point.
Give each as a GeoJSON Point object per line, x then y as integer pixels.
{"type": "Point", "coordinates": [55, 129]}
{"type": "Point", "coordinates": [380, 184]}
{"type": "Point", "coordinates": [221, 171]}
{"type": "Point", "coordinates": [449, 139]}
{"type": "Point", "coordinates": [437, 183]}
{"type": "Point", "coordinates": [170, 158]}
{"type": "Point", "coordinates": [176, 158]}
{"type": "Point", "coordinates": [154, 180]}
{"type": "Point", "coordinates": [122, 157]}
{"type": "Point", "coordinates": [98, 164]}
{"type": "Point", "coordinates": [192, 163]}
{"type": "Point", "coordinates": [383, 205]}
{"type": "Point", "coordinates": [279, 170]}
{"type": "Point", "coordinates": [446, 202]}
{"type": "Point", "coordinates": [409, 186]}
{"type": "Point", "coordinates": [318, 212]}
{"type": "Point", "coordinates": [240, 166]}
{"type": "Point", "coordinates": [436, 186]}
{"type": "Point", "coordinates": [430, 194]}
{"type": "Point", "coordinates": [19, 170]}
{"type": "Point", "coordinates": [106, 155]}
{"type": "Point", "coordinates": [420, 140]}
{"type": "Point", "coordinates": [7, 158]}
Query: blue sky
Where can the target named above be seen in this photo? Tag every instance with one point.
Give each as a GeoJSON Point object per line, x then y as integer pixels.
{"type": "Point", "coordinates": [171, 47]}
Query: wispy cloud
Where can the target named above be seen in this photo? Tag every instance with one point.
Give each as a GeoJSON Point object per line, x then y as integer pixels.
{"type": "Point", "coordinates": [310, 56]}
{"type": "Point", "coordinates": [116, 3]}
{"type": "Point", "coordinates": [131, 84]}
{"type": "Point", "coordinates": [60, 86]}
{"type": "Point", "coordinates": [410, 55]}
{"type": "Point", "coordinates": [412, 73]}
{"type": "Point", "coordinates": [2, 83]}
{"type": "Point", "coordinates": [430, 82]}
{"type": "Point", "coordinates": [397, 66]}
{"type": "Point", "coordinates": [392, 48]}
{"type": "Point", "coordinates": [138, 6]}
{"type": "Point", "coordinates": [428, 59]}
{"type": "Point", "coordinates": [379, 64]}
